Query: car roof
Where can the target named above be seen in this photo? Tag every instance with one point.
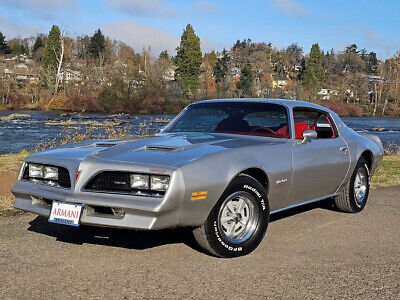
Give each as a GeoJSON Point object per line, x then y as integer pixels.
{"type": "Point", "coordinates": [287, 102]}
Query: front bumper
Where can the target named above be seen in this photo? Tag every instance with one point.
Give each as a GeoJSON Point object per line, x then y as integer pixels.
{"type": "Point", "coordinates": [141, 212]}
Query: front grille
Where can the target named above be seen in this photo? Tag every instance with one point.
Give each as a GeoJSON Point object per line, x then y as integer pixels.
{"type": "Point", "coordinates": [63, 177]}
{"type": "Point", "coordinates": [110, 181]}
{"type": "Point", "coordinates": [117, 182]}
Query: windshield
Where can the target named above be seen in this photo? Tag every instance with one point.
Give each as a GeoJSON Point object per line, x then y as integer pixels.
{"type": "Point", "coordinates": [261, 119]}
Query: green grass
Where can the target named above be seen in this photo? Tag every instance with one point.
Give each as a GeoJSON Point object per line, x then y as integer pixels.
{"type": "Point", "coordinates": [7, 207]}
{"type": "Point", "coordinates": [388, 173]}
{"type": "Point", "coordinates": [12, 162]}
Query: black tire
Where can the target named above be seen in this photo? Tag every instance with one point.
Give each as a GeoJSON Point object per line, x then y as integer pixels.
{"type": "Point", "coordinates": [211, 236]}
{"type": "Point", "coordinates": [347, 201]}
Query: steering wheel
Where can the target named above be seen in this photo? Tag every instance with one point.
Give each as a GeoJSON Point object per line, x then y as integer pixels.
{"type": "Point", "coordinates": [263, 128]}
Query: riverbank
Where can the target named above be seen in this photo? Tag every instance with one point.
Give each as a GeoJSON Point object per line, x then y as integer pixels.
{"type": "Point", "coordinates": [343, 109]}
{"type": "Point", "coordinates": [387, 175]}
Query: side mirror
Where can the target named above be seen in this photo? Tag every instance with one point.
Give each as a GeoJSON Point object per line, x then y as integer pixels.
{"type": "Point", "coordinates": [308, 135]}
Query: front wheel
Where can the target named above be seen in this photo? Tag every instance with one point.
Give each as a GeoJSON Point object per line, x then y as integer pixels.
{"type": "Point", "coordinates": [237, 223]}
{"type": "Point", "coordinates": [354, 195]}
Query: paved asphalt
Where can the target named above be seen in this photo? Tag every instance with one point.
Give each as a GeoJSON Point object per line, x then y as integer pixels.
{"type": "Point", "coordinates": [314, 252]}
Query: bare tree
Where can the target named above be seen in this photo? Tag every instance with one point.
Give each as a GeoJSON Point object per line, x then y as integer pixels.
{"type": "Point", "coordinates": [60, 59]}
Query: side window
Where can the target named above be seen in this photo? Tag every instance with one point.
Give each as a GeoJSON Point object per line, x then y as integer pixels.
{"type": "Point", "coordinates": [309, 119]}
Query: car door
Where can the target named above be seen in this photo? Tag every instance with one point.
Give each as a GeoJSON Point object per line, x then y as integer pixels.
{"type": "Point", "coordinates": [319, 165]}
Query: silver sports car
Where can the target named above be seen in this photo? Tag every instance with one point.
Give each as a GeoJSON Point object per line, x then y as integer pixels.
{"type": "Point", "coordinates": [220, 167]}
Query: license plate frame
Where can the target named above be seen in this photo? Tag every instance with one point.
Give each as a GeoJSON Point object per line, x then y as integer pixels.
{"type": "Point", "coordinates": [66, 213]}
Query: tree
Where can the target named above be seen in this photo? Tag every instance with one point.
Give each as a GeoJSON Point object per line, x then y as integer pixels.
{"type": "Point", "coordinates": [245, 83]}
{"type": "Point", "coordinates": [18, 46]}
{"type": "Point", "coordinates": [39, 43]}
{"type": "Point", "coordinates": [52, 51]}
{"type": "Point", "coordinates": [371, 62]}
{"type": "Point", "coordinates": [164, 55]}
{"type": "Point", "coordinates": [82, 46]}
{"type": "Point", "coordinates": [53, 57]}
{"type": "Point", "coordinates": [313, 76]}
{"type": "Point", "coordinates": [241, 45]}
{"type": "Point", "coordinates": [4, 49]}
{"type": "Point", "coordinates": [97, 45]}
{"type": "Point", "coordinates": [211, 58]}
{"type": "Point", "coordinates": [352, 49]}
{"type": "Point", "coordinates": [221, 67]}
{"type": "Point", "coordinates": [188, 60]}
{"type": "Point", "coordinates": [294, 54]}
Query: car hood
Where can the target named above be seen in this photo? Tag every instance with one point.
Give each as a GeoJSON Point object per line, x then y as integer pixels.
{"type": "Point", "coordinates": [163, 150]}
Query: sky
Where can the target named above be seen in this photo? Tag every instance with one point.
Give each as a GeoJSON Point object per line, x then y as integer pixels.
{"type": "Point", "coordinates": [334, 24]}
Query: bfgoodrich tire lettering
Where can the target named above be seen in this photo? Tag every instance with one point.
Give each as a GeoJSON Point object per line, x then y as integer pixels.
{"type": "Point", "coordinates": [237, 223]}
{"type": "Point", "coordinates": [353, 197]}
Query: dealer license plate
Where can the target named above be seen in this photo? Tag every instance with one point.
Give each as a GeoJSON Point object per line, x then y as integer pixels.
{"type": "Point", "coordinates": [65, 213]}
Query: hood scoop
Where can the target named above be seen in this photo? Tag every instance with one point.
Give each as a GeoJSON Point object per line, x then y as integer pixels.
{"type": "Point", "coordinates": [159, 148]}
{"type": "Point", "coordinates": [105, 144]}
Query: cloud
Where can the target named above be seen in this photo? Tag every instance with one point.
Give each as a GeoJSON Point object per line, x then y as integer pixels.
{"type": "Point", "coordinates": [143, 7]}
{"type": "Point", "coordinates": [139, 36]}
{"type": "Point", "coordinates": [40, 9]}
{"type": "Point", "coordinates": [374, 40]}
{"type": "Point", "coordinates": [203, 7]}
{"type": "Point", "coordinates": [290, 7]}
{"type": "Point", "coordinates": [12, 29]}
{"type": "Point", "coordinates": [41, 4]}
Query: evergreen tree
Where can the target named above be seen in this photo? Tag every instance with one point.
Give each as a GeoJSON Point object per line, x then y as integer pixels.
{"type": "Point", "coordinates": [313, 76]}
{"type": "Point", "coordinates": [38, 44]}
{"type": "Point", "coordinates": [211, 58]}
{"type": "Point", "coordinates": [53, 48]}
{"type": "Point", "coordinates": [221, 67]}
{"type": "Point", "coordinates": [371, 62]}
{"type": "Point", "coordinates": [164, 55]}
{"type": "Point", "coordinates": [188, 60]}
{"type": "Point", "coordinates": [4, 49]}
{"type": "Point", "coordinates": [97, 44]}
{"type": "Point", "coordinates": [245, 83]}
{"type": "Point", "coordinates": [352, 49]}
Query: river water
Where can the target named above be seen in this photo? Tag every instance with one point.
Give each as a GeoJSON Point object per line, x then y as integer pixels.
{"type": "Point", "coordinates": [25, 133]}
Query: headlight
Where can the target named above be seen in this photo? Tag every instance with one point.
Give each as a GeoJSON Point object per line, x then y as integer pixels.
{"type": "Point", "coordinates": [35, 171]}
{"type": "Point", "coordinates": [139, 181]}
{"type": "Point", "coordinates": [159, 183]}
{"type": "Point", "coordinates": [50, 173]}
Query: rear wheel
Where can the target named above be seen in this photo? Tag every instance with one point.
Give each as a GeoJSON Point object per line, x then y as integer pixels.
{"type": "Point", "coordinates": [354, 195]}
{"type": "Point", "coordinates": [237, 223]}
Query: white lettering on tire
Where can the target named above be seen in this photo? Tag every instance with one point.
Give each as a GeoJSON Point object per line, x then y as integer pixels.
{"type": "Point", "coordinates": [230, 248]}
{"type": "Point", "coordinates": [255, 191]}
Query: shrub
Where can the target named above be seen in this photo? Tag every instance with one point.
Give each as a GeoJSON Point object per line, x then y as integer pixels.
{"type": "Point", "coordinates": [58, 101]}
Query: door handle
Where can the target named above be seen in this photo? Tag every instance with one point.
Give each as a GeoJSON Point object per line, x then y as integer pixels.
{"type": "Point", "coordinates": [344, 148]}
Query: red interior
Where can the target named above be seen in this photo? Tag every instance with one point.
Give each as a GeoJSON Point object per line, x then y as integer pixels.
{"type": "Point", "coordinates": [282, 131]}
{"type": "Point", "coordinates": [299, 127]}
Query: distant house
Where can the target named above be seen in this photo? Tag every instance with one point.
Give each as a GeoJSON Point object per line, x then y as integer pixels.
{"type": "Point", "coordinates": [69, 75]}
{"type": "Point", "coordinates": [169, 74]}
{"type": "Point", "coordinates": [326, 94]}
{"type": "Point", "coordinates": [236, 72]}
{"type": "Point", "coordinates": [19, 58]}
{"type": "Point", "coordinates": [279, 81]}
{"type": "Point", "coordinates": [298, 67]}
{"type": "Point", "coordinates": [374, 78]}
{"type": "Point", "coordinates": [21, 72]}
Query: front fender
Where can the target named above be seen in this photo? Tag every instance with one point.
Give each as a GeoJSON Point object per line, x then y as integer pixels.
{"type": "Point", "coordinates": [214, 173]}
